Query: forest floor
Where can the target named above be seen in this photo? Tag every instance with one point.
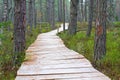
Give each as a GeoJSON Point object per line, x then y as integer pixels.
{"type": "Point", "coordinates": [48, 59]}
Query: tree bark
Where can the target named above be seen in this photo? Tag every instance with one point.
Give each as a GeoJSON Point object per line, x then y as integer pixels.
{"type": "Point", "coordinates": [91, 3]}
{"type": "Point", "coordinates": [34, 14]}
{"type": "Point", "coordinates": [82, 11]}
{"type": "Point", "coordinates": [85, 12]}
{"type": "Point", "coordinates": [30, 19]}
{"type": "Point", "coordinates": [100, 35]}
{"type": "Point", "coordinates": [73, 17]}
{"type": "Point", "coordinates": [60, 10]}
{"type": "Point", "coordinates": [51, 14]}
{"type": "Point", "coordinates": [64, 15]}
{"type": "Point", "coordinates": [48, 11]}
{"type": "Point", "coordinates": [5, 16]}
{"type": "Point", "coordinates": [19, 27]}
{"type": "Point", "coordinates": [41, 11]}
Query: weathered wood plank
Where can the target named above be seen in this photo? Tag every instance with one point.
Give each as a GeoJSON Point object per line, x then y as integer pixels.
{"type": "Point", "coordinates": [61, 76]}
{"type": "Point", "coordinates": [79, 78]}
{"type": "Point", "coordinates": [38, 71]}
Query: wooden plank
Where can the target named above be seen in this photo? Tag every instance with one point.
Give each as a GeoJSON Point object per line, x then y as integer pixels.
{"type": "Point", "coordinates": [39, 71]}
{"type": "Point", "coordinates": [79, 78]}
{"type": "Point", "coordinates": [63, 61]}
{"type": "Point", "coordinates": [31, 68]}
{"type": "Point", "coordinates": [60, 76]}
{"type": "Point", "coordinates": [55, 62]}
{"type": "Point", "coordinates": [50, 66]}
{"type": "Point", "coordinates": [45, 49]}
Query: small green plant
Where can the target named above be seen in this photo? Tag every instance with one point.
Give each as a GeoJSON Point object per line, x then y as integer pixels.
{"type": "Point", "coordinates": [116, 24]}
{"type": "Point", "coordinates": [5, 24]}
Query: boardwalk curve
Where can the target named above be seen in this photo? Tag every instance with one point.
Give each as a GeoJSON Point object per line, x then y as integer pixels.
{"type": "Point", "coordinates": [48, 59]}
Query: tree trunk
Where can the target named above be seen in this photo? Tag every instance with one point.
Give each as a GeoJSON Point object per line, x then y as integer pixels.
{"type": "Point", "coordinates": [48, 11]}
{"type": "Point", "coordinates": [79, 11]}
{"type": "Point", "coordinates": [67, 11]}
{"type": "Point", "coordinates": [52, 14]}
{"type": "Point", "coordinates": [73, 17]}
{"type": "Point", "coordinates": [85, 12]}
{"type": "Point", "coordinates": [41, 11]}
{"type": "Point", "coordinates": [82, 11]}
{"type": "Point", "coordinates": [19, 27]}
{"type": "Point", "coordinates": [91, 3]}
{"type": "Point", "coordinates": [11, 10]}
{"type": "Point", "coordinates": [64, 15]}
{"type": "Point", "coordinates": [34, 14]}
{"type": "Point", "coordinates": [100, 35]}
{"type": "Point", "coordinates": [60, 10]}
{"type": "Point", "coordinates": [5, 16]}
{"type": "Point", "coordinates": [30, 13]}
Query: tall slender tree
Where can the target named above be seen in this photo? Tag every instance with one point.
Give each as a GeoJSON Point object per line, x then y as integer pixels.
{"type": "Point", "coordinates": [5, 16]}
{"type": "Point", "coordinates": [73, 17]}
{"type": "Point", "coordinates": [100, 35]}
{"type": "Point", "coordinates": [30, 13]}
{"type": "Point", "coordinates": [41, 9]}
{"type": "Point", "coordinates": [85, 10]}
{"type": "Point", "coordinates": [34, 13]}
{"type": "Point", "coordinates": [60, 10]}
{"type": "Point", "coordinates": [82, 10]}
{"type": "Point", "coordinates": [19, 27]}
{"type": "Point", "coordinates": [64, 15]}
{"type": "Point", "coordinates": [51, 13]}
{"type": "Point", "coordinates": [91, 3]}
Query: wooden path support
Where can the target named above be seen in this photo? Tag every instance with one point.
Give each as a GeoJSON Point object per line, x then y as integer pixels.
{"type": "Point", "coordinates": [48, 59]}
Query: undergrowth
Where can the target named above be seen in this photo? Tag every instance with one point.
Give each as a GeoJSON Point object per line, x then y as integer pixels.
{"type": "Point", "coordinates": [7, 70]}
{"type": "Point", "coordinates": [110, 64]}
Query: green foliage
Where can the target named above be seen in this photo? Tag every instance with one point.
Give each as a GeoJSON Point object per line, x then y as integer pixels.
{"type": "Point", "coordinates": [6, 52]}
{"type": "Point", "coordinates": [116, 24]}
{"type": "Point", "coordinates": [45, 27]}
{"type": "Point", "coordinates": [116, 18]}
{"type": "Point", "coordinates": [58, 24]}
{"type": "Point", "coordinates": [5, 23]}
{"type": "Point", "coordinates": [110, 65]}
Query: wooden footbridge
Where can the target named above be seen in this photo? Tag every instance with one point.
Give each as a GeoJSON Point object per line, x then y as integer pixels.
{"type": "Point", "coordinates": [48, 59]}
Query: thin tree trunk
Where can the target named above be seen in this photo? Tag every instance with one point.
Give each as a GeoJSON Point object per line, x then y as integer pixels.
{"type": "Point", "coordinates": [34, 14]}
{"type": "Point", "coordinates": [82, 11]}
{"type": "Point", "coordinates": [48, 11]}
{"type": "Point", "coordinates": [30, 21]}
{"type": "Point", "coordinates": [40, 7]}
{"type": "Point", "coordinates": [67, 11]}
{"type": "Point", "coordinates": [5, 16]}
{"type": "Point", "coordinates": [60, 10]}
{"type": "Point", "coordinates": [19, 27]}
{"type": "Point", "coordinates": [91, 3]}
{"type": "Point", "coordinates": [85, 12]}
{"type": "Point", "coordinates": [100, 35]}
{"type": "Point", "coordinates": [52, 14]}
{"type": "Point", "coordinates": [73, 17]}
{"type": "Point", "coordinates": [79, 11]}
{"type": "Point", "coordinates": [64, 15]}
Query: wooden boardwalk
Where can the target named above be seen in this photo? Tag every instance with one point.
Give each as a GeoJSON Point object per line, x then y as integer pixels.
{"type": "Point", "coordinates": [48, 59]}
